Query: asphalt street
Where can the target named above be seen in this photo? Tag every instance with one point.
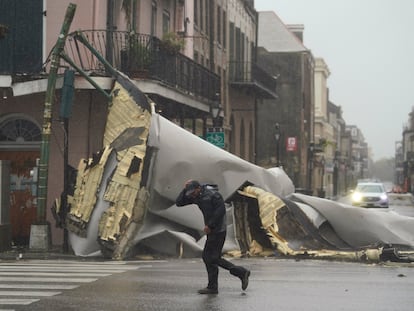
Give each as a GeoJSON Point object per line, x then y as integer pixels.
{"type": "Point", "coordinates": [275, 284]}
{"type": "Point", "coordinates": [55, 282]}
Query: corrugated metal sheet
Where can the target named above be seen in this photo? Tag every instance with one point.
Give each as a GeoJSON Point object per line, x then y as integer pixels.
{"type": "Point", "coordinates": [126, 134]}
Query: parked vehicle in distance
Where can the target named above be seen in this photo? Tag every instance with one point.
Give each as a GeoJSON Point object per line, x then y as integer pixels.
{"type": "Point", "coordinates": [370, 194]}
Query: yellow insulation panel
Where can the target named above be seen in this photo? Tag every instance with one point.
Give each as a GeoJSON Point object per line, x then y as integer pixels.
{"type": "Point", "coordinates": [124, 114]}
{"type": "Point", "coordinates": [87, 186]}
{"type": "Point", "coordinates": [124, 186]}
{"type": "Point", "coordinates": [269, 204]}
{"type": "Point", "coordinates": [127, 129]}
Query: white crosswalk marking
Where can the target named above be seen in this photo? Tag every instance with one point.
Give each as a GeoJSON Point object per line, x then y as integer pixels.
{"type": "Point", "coordinates": [27, 293]}
{"type": "Point", "coordinates": [8, 301]}
{"type": "Point", "coordinates": [53, 274]}
{"type": "Point", "coordinates": [37, 286]}
{"type": "Point", "coordinates": [53, 280]}
{"type": "Point", "coordinates": [25, 282]}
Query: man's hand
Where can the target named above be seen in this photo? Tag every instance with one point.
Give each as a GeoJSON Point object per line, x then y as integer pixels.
{"type": "Point", "coordinates": [207, 230]}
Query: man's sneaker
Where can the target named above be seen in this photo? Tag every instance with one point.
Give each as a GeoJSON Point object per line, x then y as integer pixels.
{"type": "Point", "coordinates": [245, 279]}
{"type": "Point", "coordinates": [208, 291]}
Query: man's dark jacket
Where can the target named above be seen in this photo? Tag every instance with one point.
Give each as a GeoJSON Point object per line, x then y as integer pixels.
{"type": "Point", "coordinates": [212, 207]}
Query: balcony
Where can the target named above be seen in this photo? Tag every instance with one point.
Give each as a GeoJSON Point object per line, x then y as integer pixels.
{"type": "Point", "coordinates": [250, 75]}
{"type": "Point", "coordinates": [410, 156]}
{"type": "Point", "coordinates": [144, 57]}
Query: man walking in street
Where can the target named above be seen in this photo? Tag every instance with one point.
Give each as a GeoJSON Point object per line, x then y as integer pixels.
{"type": "Point", "coordinates": [211, 204]}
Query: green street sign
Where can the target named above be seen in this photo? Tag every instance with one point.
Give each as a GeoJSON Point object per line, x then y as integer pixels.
{"type": "Point", "coordinates": [215, 136]}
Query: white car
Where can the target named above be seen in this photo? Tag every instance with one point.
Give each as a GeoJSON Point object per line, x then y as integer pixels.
{"type": "Point", "coordinates": [370, 194]}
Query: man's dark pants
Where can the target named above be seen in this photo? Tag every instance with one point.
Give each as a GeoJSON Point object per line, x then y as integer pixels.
{"type": "Point", "coordinates": [212, 259]}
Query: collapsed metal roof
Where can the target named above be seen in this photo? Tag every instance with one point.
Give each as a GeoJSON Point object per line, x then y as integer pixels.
{"type": "Point", "coordinates": [124, 199]}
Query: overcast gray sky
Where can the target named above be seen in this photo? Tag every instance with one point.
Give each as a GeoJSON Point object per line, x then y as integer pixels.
{"type": "Point", "coordinates": [368, 46]}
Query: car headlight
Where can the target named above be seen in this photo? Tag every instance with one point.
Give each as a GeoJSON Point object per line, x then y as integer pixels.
{"type": "Point", "coordinates": [384, 197]}
{"type": "Point", "coordinates": [356, 197]}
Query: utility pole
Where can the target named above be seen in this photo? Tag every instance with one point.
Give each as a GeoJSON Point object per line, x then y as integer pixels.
{"type": "Point", "coordinates": [277, 137]}
{"type": "Point", "coordinates": [40, 231]}
{"type": "Point", "coordinates": [310, 166]}
{"type": "Point", "coordinates": [68, 91]}
{"type": "Point", "coordinates": [335, 174]}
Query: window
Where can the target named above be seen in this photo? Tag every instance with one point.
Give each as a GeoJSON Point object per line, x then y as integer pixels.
{"type": "Point", "coordinates": [238, 47]}
{"type": "Point", "coordinates": [206, 17]}
{"type": "Point", "coordinates": [154, 18]}
{"type": "Point", "coordinates": [232, 34]}
{"type": "Point", "coordinates": [201, 15]}
{"type": "Point", "coordinates": [196, 12]}
{"type": "Point", "coordinates": [19, 130]}
{"type": "Point", "coordinates": [243, 47]}
{"type": "Point", "coordinates": [218, 24]}
{"type": "Point", "coordinates": [224, 29]}
{"type": "Point", "coordinates": [165, 22]}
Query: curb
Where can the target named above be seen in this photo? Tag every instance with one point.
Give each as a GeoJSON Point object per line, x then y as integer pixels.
{"type": "Point", "coordinates": [23, 253]}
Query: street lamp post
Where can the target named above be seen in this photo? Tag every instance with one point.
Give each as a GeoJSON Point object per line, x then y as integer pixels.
{"type": "Point", "coordinates": [361, 166]}
{"type": "Point", "coordinates": [215, 113]}
{"type": "Point", "coordinates": [335, 175]}
{"type": "Point", "coordinates": [321, 191]}
{"type": "Point", "coordinates": [277, 137]}
{"type": "Point", "coordinates": [310, 165]}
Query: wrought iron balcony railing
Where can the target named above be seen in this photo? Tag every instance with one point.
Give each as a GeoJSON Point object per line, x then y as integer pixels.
{"type": "Point", "coordinates": [144, 56]}
{"type": "Point", "coordinates": [410, 156]}
{"type": "Point", "coordinates": [251, 75]}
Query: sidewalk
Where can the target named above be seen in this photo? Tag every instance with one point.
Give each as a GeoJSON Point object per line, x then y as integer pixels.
{"type": "Point", "coordinates": [56, 252]}
{"type": "Point", "coordinates": [20, 253]}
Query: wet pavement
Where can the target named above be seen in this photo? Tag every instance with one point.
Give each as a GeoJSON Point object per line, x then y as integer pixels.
{"type": "Point", "coordinates": [275, 284]}
{"type": "Point", "coordinates": [172, 284]}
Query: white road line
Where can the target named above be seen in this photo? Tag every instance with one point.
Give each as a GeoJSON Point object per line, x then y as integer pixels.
{"type": "Point", "coordinates": [37, 286]}
{"type": "Point", "coordinates": [28, 293]}
{"type": "Point", "coordinates": [47, 280]}
{"type": "Point", "coordinates": [66, 263]}
{"type": "Point", "coordinates": [11, 273]}
{"type": "Point", "coordinates": [7, 301]}
{"type": "Point", "coordinates": [72, 266]}
{"type": "Point", "coordinates": [44, 278]}
{"type": "Point", "coordinates": [61, 269]}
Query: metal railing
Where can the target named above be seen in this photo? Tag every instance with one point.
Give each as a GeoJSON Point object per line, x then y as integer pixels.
{"type": "Point", "coordinates": [143, 56]}
{"type": "Point", "coordinates": [249, 72]}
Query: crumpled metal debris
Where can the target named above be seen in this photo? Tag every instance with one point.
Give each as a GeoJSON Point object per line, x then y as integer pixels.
{"type": "Point", "coordinates": [301, 226]}
{"type": "Point", "coordinates": [124, 199]}
{"type": "Point", "coordinates": [121, 194]}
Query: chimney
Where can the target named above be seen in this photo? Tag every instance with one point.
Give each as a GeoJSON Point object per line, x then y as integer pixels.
{"type": "Point", "coordinates": [297, 30]}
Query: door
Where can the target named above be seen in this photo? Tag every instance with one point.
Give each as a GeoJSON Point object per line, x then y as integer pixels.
{"type": "Point", "coordinates": [20, 140]}
{"type": "Point", "coordinates": [23, 188]}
